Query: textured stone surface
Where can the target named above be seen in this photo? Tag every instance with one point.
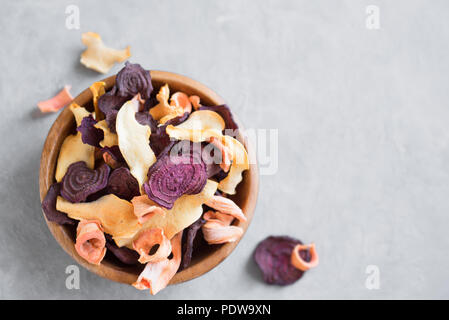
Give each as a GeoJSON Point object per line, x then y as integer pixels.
{"type": "Point", "coordinates": [363, 129]}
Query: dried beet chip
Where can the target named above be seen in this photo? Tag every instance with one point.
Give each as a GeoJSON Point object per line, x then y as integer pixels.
{"type": "Point", "coordinates": [89, 134]}
{"type": "Point", "coordinates": [124, 254]}
{"type": "Point", "coordinates": [273, 256]}
{"type": "Point", "coordinates": [79, 181]}
{"type": "Point", "coordinates": [49, 207]}
{"type": "Point", "coordinates": [123, 184]}
{"type": "Point", "coordinates": [189, 238]}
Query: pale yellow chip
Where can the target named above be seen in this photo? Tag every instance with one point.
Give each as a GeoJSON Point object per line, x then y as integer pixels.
{"type": "Point", "coordinates": [200, 126]}
{"type": "Point", "coordinates": [97, 89]}
{"type": "Point", "coordinates": [73, 149]}
{"type": "Point", "coordinates": [97, 56]}
{"type": "Point", "coordinates": [115, 215]}
{"type": "Point", "coordinates": [110, 138]}
{"type": "Point", "coordinates": [186, 210]}
{"type": "Point", "coordinates": [79, 112]}
{"type": "Point", "coordinates": [133, 141]}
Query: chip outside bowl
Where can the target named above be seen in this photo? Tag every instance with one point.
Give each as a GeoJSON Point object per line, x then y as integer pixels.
{"type": "Point", "coordinates": [245, 198]}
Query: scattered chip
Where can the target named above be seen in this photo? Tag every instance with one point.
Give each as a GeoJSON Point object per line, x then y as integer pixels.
{"type": "Point", "coordinates": [133, 141]}
{"type": "Point", "coordinates": [273, 256]}
{"type": "Point", "coordinates": [97, 56]}
{"type": "Point", "coordinates": [57, 102]}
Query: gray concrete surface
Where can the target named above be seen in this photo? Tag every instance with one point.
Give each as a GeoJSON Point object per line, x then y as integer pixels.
{"type": "Point", "coordinates": [363, 135]}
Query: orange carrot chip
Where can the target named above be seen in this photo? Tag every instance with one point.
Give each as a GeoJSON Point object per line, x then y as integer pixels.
{"type": "Point", "coordinates": [57, 102]}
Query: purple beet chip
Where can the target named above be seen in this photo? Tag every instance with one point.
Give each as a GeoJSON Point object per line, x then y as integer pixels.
{"type": "Point", "coordinates": [115, 153]}
{"type": "Point", "coordinates": [189, 237]}
{"type": "Point", "coordinates": [159, 139]}
{"type": "Point", "coordinates": [49, 207]}
{"type": "Point", "coordinates": [173, 176]}
{"type": "Point", "coordinates": [89, 134]}
{"type": "Point", "coordinates": [80, 181]}
{"type": "Point", "coordinates": [133, 79]}
{"type": "Point", "coordinates": [273, 256]}
{"type": "Point", "coordinates": [123, 184]}
{"type": "Point", "coordinates": [109, 104]}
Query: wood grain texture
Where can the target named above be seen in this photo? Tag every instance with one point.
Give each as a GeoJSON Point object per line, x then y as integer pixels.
{"type": "Point", "coordinates": [204, 261]}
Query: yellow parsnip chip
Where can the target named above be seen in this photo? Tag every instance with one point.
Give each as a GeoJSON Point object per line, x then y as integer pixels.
{"type": "Point", "coordinates": [133, 141]}
{"type": "Point", "coordinates": [110, 138]}
{"type": "Point", "coordinates": [186, 210]}
{"type": "Point", "coordinates": [199, 127]}
{"type": "Point", "coordinates": [115, 215]}
{"type": "Point", "coordinates": [73, 149]}
{"type": "Point", "coordinates": [97, 56]}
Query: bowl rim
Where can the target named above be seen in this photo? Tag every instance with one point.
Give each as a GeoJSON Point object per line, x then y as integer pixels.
{"type": "Point", "coordinates": [108, 270]}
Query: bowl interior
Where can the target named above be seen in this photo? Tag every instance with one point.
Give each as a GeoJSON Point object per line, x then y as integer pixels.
{"type": "Point", "coordinates": [205, 257]}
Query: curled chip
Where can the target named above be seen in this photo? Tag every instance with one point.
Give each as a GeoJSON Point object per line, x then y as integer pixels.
{"type": "Point", "coordinates": [97, 56]}
{"type": "Point", "coordinates": [113, 157]}
{"type": "Point", "coordinates": [89, 133]}
{"type": "Point", "coordinates": [49, 207]}
{"type": "Point", "coordinates": [218, 228]}
{"type": "Point", "coordinates": [273, 256]}
{"type": "Point", "coordinates": [73, 149]}
{"type": "Point", "coordinates": [163, 108]}
{"type": "Point", "coordinates": [79, 182]}
{"type": "Point", "coordinates": [90, 241]}
{"type": "Point", "coordinates": [97, 89]}
{"type": "Point", "coordinates": [144, 208]}
{"type": "Point", "coordinates": [157, 275]}
{"type": "Point", "coordinates": [149, 239]}
{"type": "Point", "coordinates": [123, 184]}
{"type": "Point", "coordinates": [57, 102]}
{"type": "Point", "coordinates": [133, 141]}
{"type": "Point", "coordinates": [173, 176]}
{"type": "Point", "coordinates": [131, 80]}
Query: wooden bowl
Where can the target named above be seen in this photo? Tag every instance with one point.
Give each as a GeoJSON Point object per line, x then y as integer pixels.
{"type": "Point", "coordinates": [205, 256]}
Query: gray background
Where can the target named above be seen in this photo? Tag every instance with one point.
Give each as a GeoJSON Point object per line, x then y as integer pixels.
{"type": "Point", "coordinates": [363, 135]}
